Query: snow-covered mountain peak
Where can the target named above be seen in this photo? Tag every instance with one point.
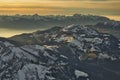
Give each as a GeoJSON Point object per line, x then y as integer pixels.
{"type": "Point", "coordinates": [78, 29]}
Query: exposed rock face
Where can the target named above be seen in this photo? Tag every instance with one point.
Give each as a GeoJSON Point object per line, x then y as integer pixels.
{"type": "Point", "coordinates": [61, 53]}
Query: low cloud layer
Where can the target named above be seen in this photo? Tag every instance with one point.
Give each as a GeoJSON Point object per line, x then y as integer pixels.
{"type": "Point", "coordinates": [67, 7]}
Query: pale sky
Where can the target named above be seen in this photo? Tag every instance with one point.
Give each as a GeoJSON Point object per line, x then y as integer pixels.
{"type": "Point", "coordinates": [67, 7]}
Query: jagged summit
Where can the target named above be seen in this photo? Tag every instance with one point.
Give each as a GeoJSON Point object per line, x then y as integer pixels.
{"type": "Point", "coordinates": [39, 37]}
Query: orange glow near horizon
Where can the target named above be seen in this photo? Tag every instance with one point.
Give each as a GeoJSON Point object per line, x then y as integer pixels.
{"type": "Point", "coordinates": [67, 7]}
{"type": "Point", "coordinates": [108, 8]}
{"type": "Point", "coordinates": [113, 17]}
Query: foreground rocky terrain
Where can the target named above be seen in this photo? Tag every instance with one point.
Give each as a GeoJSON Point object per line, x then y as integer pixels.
{"type": "Point", "coordinates": [61, 53]}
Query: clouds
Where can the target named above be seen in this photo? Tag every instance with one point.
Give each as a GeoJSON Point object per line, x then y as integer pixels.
{"type": "Point", "coordinates": [108, 8]}
{"type": "Point", "coordinates": [67, 7]}
{"type": "Point", "coordinates": [99, 7]}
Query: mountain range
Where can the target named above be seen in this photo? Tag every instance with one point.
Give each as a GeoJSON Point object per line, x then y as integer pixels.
{"type": "Point", "coordinates": [37, 22]}
{"type": "Point", "coordinates": [74, 52]}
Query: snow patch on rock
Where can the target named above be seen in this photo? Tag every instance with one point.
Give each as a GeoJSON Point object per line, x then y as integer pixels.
{"type": "Point", "coordinates": [80, 74]}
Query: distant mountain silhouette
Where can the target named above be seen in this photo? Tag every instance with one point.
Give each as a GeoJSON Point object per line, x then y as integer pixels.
{"type": "Point", "coordinates": [35, 22]}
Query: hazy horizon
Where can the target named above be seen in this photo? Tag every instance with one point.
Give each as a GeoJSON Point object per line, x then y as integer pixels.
{"type": "Point", "coordinates": [112, 17]}
{"type": "Point", "coordinates": [107, 8]}
{"type": "Point", "coordinates": [7, 32]}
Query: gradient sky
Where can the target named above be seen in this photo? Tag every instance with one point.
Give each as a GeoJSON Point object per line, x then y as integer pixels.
{"type": "Point", "coordinates": [109, 8]}
{"type": "Point", "coordinates": [68, 7]}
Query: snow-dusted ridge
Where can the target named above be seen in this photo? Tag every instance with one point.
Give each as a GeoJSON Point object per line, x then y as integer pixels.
{"type": "Point", "coordinates": [62, 53]}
